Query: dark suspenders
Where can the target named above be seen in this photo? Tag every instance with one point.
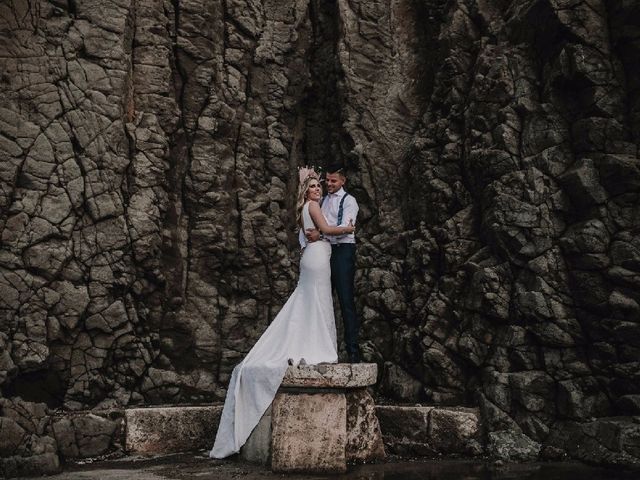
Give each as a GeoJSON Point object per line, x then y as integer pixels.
{"type": "Point", "coordinates": [340, 207]}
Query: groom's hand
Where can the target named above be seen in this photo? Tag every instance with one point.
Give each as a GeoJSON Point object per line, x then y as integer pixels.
{"type": "Point", "coordinates": [312, 234]}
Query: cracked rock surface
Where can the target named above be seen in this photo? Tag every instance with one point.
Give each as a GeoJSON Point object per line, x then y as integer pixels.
{"type": "Point", "coordinates": [148, 151]}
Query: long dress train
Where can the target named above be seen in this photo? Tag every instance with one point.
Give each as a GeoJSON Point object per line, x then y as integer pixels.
{"type": "Point", "coordinates": [304, 328]}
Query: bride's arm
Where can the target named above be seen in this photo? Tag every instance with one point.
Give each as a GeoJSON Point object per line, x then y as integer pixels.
{"type": "Point", "coordinates": [321, 222]}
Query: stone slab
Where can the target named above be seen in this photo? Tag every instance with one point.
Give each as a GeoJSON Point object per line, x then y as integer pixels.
{"type": "Point", "coordinates": [406, 429]}
{"type": "Point", "coordinates": [331, 375]}
{"type": "Point", "coordinates": [427, 431]}
{"type": "Point", "coordinates": [309, 433]}
{"type": "Point", "coordinates": [170, 429]}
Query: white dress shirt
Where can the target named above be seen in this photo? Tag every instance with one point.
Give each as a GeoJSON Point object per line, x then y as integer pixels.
{"type": "Point", "coordinates": [350, 208]}
{"type": "Point", "coordinates": [330, 208]}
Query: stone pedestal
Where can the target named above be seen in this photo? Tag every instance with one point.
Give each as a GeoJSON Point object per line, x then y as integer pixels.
{"type": "Point", "coordinates": [309, 432]}
{"type": "Point", "coordinates": [321, 418]}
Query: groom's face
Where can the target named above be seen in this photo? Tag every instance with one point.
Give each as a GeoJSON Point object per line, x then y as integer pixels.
{"type": "Point", "coordinates": [335, 181]}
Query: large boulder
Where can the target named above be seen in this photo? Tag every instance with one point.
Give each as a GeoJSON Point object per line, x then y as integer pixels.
{"type": "Point", "coordinates": [512, 446]}
{"type": "Point", "coordinates": [27, 446]}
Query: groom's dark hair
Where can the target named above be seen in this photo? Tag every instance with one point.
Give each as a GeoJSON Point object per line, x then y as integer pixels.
{"type": "Point", "coordinates": [336, 168]}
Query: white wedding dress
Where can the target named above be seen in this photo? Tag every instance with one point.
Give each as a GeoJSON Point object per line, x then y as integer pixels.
{"type": "Point", "coordinates": [304, 328]}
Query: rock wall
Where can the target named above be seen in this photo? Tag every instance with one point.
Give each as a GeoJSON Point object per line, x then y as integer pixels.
{"type": "Point", "coordinates": [526, 174]}
{"type": "Point", "coordinates": [147, 182]}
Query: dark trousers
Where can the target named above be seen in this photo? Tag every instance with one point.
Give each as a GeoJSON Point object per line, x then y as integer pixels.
{"type": "Point", "coordinates": [343, 270]}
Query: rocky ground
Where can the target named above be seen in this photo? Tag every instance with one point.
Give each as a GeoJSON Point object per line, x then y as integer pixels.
{"type": "Point", "coordinates": [148, 168]}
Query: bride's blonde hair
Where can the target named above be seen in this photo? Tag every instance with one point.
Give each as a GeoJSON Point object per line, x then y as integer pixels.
{"type": "Point", "coordinates": [302, 197]}
{"type": "Point", "coordinates": [305, 175]}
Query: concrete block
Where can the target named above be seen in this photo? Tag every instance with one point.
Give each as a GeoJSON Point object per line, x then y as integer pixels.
{"type": "Point", "coordinates": [170, 429]}
{"type": "Point", "coordinates": [427, 431]}
{"type": "Point", "coordinates": [451, 430]}
{"type": "Point", "coordinates": [404, 421]}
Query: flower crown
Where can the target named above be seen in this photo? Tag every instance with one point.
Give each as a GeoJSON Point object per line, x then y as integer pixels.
{"type": "Point", "coordinates": [306, 172]}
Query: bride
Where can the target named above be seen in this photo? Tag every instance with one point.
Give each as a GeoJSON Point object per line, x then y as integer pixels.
{"type": "Point", "coordinates": [305, 327]}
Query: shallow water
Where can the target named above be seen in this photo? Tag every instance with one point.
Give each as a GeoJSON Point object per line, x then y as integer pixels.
{"type": "Point", "coordinates": [200, 467]}
{"type": "Point", "coordinates": [466, 470]}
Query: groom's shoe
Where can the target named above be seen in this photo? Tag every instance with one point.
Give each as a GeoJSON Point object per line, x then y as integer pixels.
{"type": "Point", "coordinates": [354, 358]}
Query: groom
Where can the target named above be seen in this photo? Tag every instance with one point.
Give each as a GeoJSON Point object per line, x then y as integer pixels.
{"type": "Point", "coordinates": [340, 208]}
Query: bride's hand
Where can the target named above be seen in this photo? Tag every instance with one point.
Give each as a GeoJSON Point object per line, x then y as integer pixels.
{"type": "Point", "coordinates": [350, 228]}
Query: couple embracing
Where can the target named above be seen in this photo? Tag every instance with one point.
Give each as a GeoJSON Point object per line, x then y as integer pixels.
{"type": "Point", "coordinates": [305, 326]}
